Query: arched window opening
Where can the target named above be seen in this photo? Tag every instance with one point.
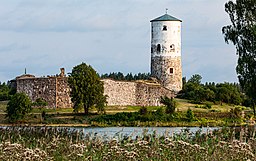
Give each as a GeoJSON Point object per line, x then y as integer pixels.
{"type": "Point", "coordinates": [164, 28]}
{"type": "Point", "coordinates": [158, 48]}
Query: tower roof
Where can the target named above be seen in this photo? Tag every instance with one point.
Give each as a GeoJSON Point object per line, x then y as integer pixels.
{"type": "Point", "coordinates": [166, 17]}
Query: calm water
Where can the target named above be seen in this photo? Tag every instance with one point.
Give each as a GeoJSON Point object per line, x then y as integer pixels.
{"type": "Point", "coordinates": [117, 132]}
{"type": "Point", "coordinates": [120, 132]}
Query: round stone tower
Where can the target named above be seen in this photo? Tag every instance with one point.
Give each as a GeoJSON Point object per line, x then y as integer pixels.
{"type": "Point", "coordinates": [166, 51]}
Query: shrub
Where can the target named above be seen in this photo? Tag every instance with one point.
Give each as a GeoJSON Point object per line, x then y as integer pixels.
{"type": "Point", "coordinates": [170, 104]}
{"type": "Point", "coordinates": [160, 111]}
{"type": "Point", "coordinates": [18, 107]}
{"type": "Point", "coordinates": [190, 115]}
{"type": "Point", "coordinates": [143, 110]}
{"type": "Point", "coordinates": [208, 106]}
{"type": "Point", "coordinates": [40, 103]}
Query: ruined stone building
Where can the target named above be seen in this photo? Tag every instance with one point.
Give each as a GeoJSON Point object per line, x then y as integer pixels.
{"type": "Point", "coordinates": [165, 67]}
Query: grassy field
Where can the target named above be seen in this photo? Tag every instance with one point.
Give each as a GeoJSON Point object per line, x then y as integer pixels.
{"type": "Point", "coordinates": [183, 105]}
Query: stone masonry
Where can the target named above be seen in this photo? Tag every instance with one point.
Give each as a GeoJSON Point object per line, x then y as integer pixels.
{"type": "Point", "coordinates": [160, 67]}
{"type": "Point", "coordinates": [55, 91]}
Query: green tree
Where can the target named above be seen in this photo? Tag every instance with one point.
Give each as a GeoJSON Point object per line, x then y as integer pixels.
{"type": "Point", "coordinates": [190, 115]}
{"type": "Point", "coordinates": [18, 107]}
{"type": "Point", "coordinates": [242, 33]}
{"type": "Point", "coordinates": [195, 79]}
{"type": "Point", "coordinates": [170, 104]}
{"type": "Point", "coordinates": [86, 88]}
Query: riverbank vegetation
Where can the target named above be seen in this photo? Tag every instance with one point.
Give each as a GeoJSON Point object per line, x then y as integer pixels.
{"type": "Point", "coordinates": [186, 114]}
{"type": "Point", "coordinates": [19, 143]}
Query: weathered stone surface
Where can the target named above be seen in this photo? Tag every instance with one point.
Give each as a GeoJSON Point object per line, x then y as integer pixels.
{"type": "Point", "coordinates": [54, 90]}
{"type": "Point", "coordinates": [121, 93]}
{"type": "Point", "coordinates": [160, 68]}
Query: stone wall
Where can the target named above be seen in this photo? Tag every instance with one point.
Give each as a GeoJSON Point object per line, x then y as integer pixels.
{"type": "Point", "coordinates": [120, 93]}
{"type": "Point", "coordinates": [139, 93]}
{"type": "Point", "coordinates": [54, 90]}
{"type": "Point", "coordinates": [148, 94]}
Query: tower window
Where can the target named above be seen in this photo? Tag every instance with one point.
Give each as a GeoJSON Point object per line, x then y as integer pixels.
{"type": "Point", "coordinates": [158, 48]}
{"type": "Point", "coordinates": [172, 46]}
{"type": "Point", "coordinates": [164, 28]}
{"type": "Point", "coordinates": [171, 70]}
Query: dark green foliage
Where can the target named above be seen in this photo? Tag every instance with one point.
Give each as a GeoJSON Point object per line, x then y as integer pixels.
{"type": "Point", "coordinates": [43, 115]}
{"type": "Point", "coordinates": [195, 79]}
{"type": "Point", "coordinates": [170, 104]}
{"type": "Point", "coordinates": [143, 110]}
{"type": "Point", "coordinates": [131, 117]}
{"type": "Point", "coordinates": [128, 77]}
{"type": "Point", "coordinates": [40, 103]}
{"type": "Point", "coordinates": [6, 91]}
{"type": "Point", "coordinates": [242, 33]}
{"type": "Point", "coordinates": [208, 106]}
{"type": "Point", "coordinates": [223, 92]}
{"type": "Point", "coordinates": [86, 88]}
{"type": "Point", "coordinates": [228, 93]}
{"type": "Point", "coordinates": [18, 107]}
{"type": "Point", "coordinates": [190, 115]}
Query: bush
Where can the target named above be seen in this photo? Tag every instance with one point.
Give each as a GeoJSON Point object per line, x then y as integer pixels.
{"type": "Point", "coordinates": [143, 110]}
{"type": "Point", "coordinates": [208, 106]}
{"type": "Point", "coordinates": [190, 115]}
{"type": "Point", "coordinates": [18, 107]}
{"type": "Point", "coordinates": [40, 103]}
{"type": "Point", "coordinates": [170, 104]}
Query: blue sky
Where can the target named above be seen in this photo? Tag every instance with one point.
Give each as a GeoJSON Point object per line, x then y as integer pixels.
{"type": "Point", "coordinates": [111, 35]}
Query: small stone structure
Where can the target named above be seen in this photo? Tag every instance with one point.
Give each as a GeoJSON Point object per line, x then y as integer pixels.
{"type": "Point", "coordinates": [54, 90]}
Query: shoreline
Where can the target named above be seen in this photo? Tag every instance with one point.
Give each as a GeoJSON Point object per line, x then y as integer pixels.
{"type": "Point", "coordinates": [92, 126]}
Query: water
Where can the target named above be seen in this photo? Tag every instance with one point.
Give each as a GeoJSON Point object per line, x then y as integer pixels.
{"type": "Point", "coordinates": [117, 132]}
{"type": "Point", "coordinates": [133, 132]}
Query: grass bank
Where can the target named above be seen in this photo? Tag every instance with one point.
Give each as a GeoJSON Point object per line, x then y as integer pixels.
{"type": "Point", "coordinates": [216, 115]}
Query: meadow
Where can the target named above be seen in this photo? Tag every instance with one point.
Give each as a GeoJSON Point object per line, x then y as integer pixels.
{"type": "Point", "coordinates": [34, 143]}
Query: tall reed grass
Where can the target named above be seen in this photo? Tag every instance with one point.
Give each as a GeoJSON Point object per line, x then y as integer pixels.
{"type": "Point", "coordinates": [35, 143]}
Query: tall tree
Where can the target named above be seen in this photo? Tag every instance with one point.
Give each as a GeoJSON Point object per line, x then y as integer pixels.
{"type": "Point", "coordinates": [242, 33]}
{"type": "Point", "coordinates": [18, 107]}
{"type": "Point", "coordinates": [86, 88]}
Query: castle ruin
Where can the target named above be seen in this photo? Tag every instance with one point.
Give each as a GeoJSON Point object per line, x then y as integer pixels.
{"type": "Point", "coordinates": [165, 67]}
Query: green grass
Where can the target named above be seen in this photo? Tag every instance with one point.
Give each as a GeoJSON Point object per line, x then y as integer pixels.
{"type": "Point", "coordinates": [216, 116]}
